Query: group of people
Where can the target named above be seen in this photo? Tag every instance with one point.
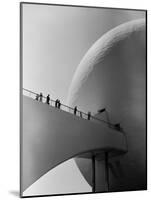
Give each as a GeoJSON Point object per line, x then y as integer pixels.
{"type": "Point", "coordinates": [39, 97]}
{"type": "Point", "coordinates": [75, 111]}
{"type": "Point", "coordinates": [57, 103]}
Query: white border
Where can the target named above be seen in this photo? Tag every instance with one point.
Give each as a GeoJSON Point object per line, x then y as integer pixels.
{"type": "Point", "coordinates": [9, 100]}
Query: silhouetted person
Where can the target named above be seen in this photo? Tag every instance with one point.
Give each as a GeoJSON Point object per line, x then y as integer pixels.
{"type": "Point", "coordinates": [59, 104]}
{"type": "Point", "coordinates": [75, 110]}
{"type": "Point", "coordinates": [48, 99]}
{"type": "Point", "coordinates": [56, 103]}
{"type": "Point", "coordinates": [37, 97]}
{"type": "Point", "coordinates": [40, 97]}
{"type": "Point", "coordinates": [89, 115]}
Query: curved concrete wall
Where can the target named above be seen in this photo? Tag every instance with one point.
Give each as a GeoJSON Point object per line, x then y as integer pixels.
{"type": "Point", "coordinates": [51, 136]}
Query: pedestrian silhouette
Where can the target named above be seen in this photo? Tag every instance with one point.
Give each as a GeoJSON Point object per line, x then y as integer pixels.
{"type": "Point", "coordinates": [75, 110]}
{"type": "Point", "coordinates": [56, 103]}
{"type": "Point", "coordinates": [48, 99]}
{"type": "Point", "coordinates": [89, 115]}
{"type": "Point", "coordinates": [40, 97]}
{"type": "Point", "coordinates": [59, 104]}
{"type": "Point", "coordinates": [37, 97]}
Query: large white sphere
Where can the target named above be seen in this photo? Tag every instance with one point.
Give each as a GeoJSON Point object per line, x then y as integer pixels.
{"type": "Point", "coordinates": [112, 74]}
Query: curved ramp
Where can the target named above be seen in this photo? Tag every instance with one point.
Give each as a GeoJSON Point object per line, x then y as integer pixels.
{"type": "Point", "coordinates": [51, 136]}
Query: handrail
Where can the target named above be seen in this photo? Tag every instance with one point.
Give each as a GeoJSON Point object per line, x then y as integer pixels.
{"type": "Point", "coordinates": [78, 111]}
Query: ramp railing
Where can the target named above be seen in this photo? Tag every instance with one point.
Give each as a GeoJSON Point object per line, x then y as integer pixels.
{"type": "Point", "coordinates": [66, 108]}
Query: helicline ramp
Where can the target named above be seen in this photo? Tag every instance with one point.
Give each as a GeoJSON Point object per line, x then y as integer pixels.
{"type": "Point", "coordinates": [51, 136]}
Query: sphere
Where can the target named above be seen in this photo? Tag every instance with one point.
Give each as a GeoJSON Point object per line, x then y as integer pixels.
{"type": "Point", "coordinates": [112, 75]}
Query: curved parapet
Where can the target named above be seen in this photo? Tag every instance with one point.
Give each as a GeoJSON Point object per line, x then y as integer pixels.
{"type": "Point", "coordinates": [51, 136]}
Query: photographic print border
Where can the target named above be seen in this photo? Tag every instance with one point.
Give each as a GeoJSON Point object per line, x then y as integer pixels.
{"type": "Point", "coordinates": [21, 86]}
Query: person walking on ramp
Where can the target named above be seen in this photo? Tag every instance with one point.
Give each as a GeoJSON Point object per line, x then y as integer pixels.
{"type": "Point", "coordinates": [56, 103]}
{"type": "Point", "coordinates": [89, 115]}
{"type": "Point", "coordinates": [48, 99]}
{"type": "Point", "coordinates": [59, 104]}
{"type": "Point", "coordinates": [40, 97]}
{"type": "Point", "coordinates": [37, 97]}
{"type": "Point", "coordinates": [75, 110]}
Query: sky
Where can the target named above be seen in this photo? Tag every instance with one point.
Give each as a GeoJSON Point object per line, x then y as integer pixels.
{"type": "Point", "coordinates": [55, 39]}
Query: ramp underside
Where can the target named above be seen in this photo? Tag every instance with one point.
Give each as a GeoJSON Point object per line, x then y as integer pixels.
{"type": "Point", "coordinates": [51, 136]}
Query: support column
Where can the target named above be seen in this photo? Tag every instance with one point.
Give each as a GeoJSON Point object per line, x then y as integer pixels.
{"type": "Point", "coordinates": [93, 174]}
{"type": "Point", "coordinates": [106, 171]}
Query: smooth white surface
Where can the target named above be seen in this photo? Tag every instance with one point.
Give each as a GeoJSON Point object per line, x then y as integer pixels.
{"type": "Point", "coordinates": [9, 62]}
{"type": "Point", "coordinates": [112, 75]}
{"type": "Point", "coordinates": [55, 39]}
{"type": "Point", "coordinates": [52, 136]}
{"type": "Point", "coordinates": [99, 53]}
{"type": "Point", "coordinates": [56, 182]}
{"type": "Point", "coordinates": [45, 53]}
